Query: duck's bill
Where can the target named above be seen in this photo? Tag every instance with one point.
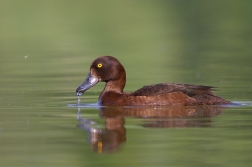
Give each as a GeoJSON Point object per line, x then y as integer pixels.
{"type": "Point", "coordinates": [88, 83]}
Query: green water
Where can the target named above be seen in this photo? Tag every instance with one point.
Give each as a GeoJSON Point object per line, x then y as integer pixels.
{"type": "Point", "coordinates": [46, 48]}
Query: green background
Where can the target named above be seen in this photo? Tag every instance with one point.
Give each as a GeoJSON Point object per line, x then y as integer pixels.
{"type": "Point", "coordinates": [46, 47]}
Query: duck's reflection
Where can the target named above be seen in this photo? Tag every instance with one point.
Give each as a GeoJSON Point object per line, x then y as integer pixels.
{"type": "Point", "coordinates": [114, 134]}
{"type": "Point", "coordinates": [104, 140]}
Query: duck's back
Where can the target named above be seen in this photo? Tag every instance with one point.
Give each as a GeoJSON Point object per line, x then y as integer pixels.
{"type": "Point", "coordinates": [163, 88]}
{"type": "Point", "coordinates": [202, 94]}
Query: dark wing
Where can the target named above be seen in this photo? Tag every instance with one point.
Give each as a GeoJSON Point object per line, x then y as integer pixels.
{"type": "Point", "coordinates": [163, 88]}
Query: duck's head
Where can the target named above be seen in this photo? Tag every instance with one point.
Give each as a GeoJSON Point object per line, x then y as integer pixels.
{"type": "Point", "coordinates": [104, 69]}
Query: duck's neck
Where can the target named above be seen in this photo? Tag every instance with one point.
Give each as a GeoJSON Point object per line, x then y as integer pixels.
{"type": "Point", "coordinates": [115, 85]}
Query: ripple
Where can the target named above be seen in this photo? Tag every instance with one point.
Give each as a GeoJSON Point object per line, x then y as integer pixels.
{"type": "Point", "coordinates": [96, 105]}
{"type": "Point", "coordinates": [241, 103]}
{"type": "Point", "coordinates": [84, 105]}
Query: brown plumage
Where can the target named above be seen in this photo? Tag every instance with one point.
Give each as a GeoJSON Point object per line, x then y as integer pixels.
{"type": "Point", "coordinates": [108, 69]}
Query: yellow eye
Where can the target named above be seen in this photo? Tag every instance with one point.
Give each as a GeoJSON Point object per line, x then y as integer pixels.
{"type": "Point", "coordinates": [99, 65]}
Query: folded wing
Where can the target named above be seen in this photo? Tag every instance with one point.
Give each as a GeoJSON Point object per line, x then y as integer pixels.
{"type": "Point", "coordinates": [164, 88]}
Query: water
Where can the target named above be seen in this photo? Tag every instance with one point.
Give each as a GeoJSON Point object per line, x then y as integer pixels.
{"type": "Point", "coordinates": [46, 50]}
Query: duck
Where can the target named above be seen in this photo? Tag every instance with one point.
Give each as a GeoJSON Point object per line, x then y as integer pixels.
{"type": "Point", "coordinates": [109, 70]}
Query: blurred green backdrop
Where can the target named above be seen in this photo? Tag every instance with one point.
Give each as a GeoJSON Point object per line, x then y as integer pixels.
{"type": "Point", "coordinates": [199, 42]}
{"type": "Point", "coordinates": [46, 47]}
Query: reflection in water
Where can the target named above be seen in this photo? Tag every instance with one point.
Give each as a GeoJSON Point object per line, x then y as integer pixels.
{"type": "Point", "coordinates": [104, 140]}
{"type": "Point", "coordinates": [114, 134]}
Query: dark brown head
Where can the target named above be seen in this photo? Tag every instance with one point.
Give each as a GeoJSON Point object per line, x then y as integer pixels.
{"type": "Point", "coordinates": [104, 69]}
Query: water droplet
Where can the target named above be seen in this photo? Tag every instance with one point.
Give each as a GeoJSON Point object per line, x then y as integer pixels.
{"type": "Point", "coordinates": [79, 93]}
{"type": "Point", "coordinates": [79, 104]}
